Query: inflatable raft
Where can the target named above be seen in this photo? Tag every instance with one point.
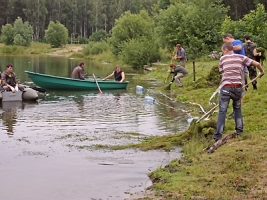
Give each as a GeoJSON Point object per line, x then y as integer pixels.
{"type": "Point", "coordinates": [28, 94]}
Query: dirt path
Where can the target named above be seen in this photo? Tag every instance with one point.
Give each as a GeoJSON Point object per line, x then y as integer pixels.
{"type": "Point", "coordinates": [67, 51]}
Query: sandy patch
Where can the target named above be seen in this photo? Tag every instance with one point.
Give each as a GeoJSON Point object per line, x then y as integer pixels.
{"type": "Point", "coordinates": [67, 50]}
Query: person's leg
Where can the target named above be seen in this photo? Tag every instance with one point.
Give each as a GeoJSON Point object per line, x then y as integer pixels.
{"type": "Point", "coordinates": [6, 88]}
{"type": "Point", "coordinates": [21, 88]}
{"type": "Point", "coordinates": [182, 63]}
{"type": "Point", "coordinates": [252, 75]}
{"type": "Point", "coordinates": [178, 80]}
{"type": "Point", "coordinates": [223, 105]}
{"type": "Point", "coordinates": [236, 97]}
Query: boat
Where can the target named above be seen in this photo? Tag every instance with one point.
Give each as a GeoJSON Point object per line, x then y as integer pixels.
{"type": "Point", "coordinates": [51, 82]}
{"type": "Point", "coordinates": [28, 94]}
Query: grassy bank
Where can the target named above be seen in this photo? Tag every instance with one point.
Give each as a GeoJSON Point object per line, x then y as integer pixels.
{"type": "Point", "coordinates": [237, 170]}
{"type": "Point", "coordinates": [234, 171]}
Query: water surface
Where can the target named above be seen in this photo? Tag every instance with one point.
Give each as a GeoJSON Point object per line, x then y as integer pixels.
{"type": "Point", "coordinates": [49, 149]}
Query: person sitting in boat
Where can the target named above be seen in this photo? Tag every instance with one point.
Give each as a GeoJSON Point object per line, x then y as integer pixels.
{"type": "Point", "coordinates": [78, 72]}
{"type": "Point", "coordinates": [9, 80]}
{"type": "Point", "coordinates": [118, 74]}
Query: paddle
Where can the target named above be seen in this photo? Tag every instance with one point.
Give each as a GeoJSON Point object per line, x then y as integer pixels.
{"type": "Point", "coordinates": [97, 84]}
{"type": "Point", "coordinates": [39, 89]}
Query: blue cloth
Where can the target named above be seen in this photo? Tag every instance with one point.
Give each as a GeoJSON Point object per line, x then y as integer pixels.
{"type": "Point", "coordinates": [227, 93]}
{"type": "Point", "coordinates": [242, 51]}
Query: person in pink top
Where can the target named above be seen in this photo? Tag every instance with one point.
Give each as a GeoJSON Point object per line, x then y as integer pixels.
{"type": "Point", "coordinates": [231, 66]}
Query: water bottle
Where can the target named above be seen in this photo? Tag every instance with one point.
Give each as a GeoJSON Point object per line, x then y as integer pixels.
{"type": "Point", "coordinates": [139, 88]}
{"type": "Point", "coordinates": [150, 99]}
{"type": "Point", "coordinates": [189, 120]}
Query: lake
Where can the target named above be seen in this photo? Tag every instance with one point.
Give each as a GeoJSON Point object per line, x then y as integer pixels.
{"type": "Point", "coordinates": [58, 147]}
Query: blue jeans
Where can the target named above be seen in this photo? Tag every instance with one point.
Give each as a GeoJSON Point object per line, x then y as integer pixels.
{"type": "Point", "coordinates": [227, 93]}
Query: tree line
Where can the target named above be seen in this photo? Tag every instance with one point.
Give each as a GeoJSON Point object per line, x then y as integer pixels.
{"type": "Point", "coordinates": [84, 17]}
{"type": "Point", "coordinates": [136, 30]}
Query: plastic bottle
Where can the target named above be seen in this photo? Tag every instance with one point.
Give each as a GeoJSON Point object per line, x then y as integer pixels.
{"type": "Point", "coordinates": [150, 99]}
{"type": "Point", "coordinates": [139, 88]}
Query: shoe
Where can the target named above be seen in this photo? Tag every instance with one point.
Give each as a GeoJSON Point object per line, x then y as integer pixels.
{"type": "Point", "coordinates": [170, 83]}
{"type": "Point", "coordinates": [238, 133]}
{"type": "Point", "coordinates": [216, 138]}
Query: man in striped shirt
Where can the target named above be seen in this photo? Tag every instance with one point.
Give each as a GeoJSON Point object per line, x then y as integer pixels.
{"type": "Point", "coordinates": [231, 67]}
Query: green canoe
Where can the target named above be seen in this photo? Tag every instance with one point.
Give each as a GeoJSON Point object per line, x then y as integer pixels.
{"type": "Point", "coordinates": [62, 83]}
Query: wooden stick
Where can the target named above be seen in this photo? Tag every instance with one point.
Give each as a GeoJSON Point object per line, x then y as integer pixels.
{"type": "Point", "coordinates": [97, 84]}
{"type": "Point", "coordinates": [206, 114]}
{"type": "Point", "coordinates": [168, 73]}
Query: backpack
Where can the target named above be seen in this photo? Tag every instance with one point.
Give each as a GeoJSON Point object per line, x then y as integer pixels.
{"type": "Point", "coordinates": [249, 47]}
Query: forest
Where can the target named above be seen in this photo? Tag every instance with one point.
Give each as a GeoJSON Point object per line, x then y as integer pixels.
{"type": "Point", "coordinates": [84, 17]}
{"type": "Point", "coordinates": [134, 28]}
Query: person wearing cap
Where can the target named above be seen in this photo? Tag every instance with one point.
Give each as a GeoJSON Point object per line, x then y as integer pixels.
{"type": "Point", "coordinates": [9, 80]}
{"type": "Point", "coordinates": [181, 55]}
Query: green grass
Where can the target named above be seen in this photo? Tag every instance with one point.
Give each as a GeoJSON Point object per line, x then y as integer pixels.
{"type": "Point", "coordinates": [237, 170]}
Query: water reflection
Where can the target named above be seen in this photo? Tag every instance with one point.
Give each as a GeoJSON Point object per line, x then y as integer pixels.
{"type": "Point", "coordinates": [10, 114]}
{"type": "Point", "coordinates": [55, 140]}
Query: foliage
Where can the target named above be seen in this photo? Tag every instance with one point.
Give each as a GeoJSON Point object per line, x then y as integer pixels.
{"type": "Point", "coordinates": [7, 36]}
{"type": "Point", "coordinates": [23, 33]}
{"type": "Point", "coordinates": [139, 52]}
{"type": "Point", "coordinates": [98, 36]}
{"type": "Point", "coordinates": [56, 34]}
{"type": "Point", "coordinates": [133, 39]}
{"type": "Point", "coordinates": [19, 34]}
{"type": "Point", "coordinates": [94, 48]}
{"type": "Point", "coordinates": [194, 24]}
{"type": "Point", "coordinates": [254, 24]}
{"type": "Point", "coordinates": [130, 26]}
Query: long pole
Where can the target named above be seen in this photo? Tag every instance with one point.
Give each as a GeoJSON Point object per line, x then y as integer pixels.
{"type": "Point", "coordinates": [97, 84]}
{"type": "Point", "coordinates": [206, 114]}
{"type": "Point", "coordinates": [168, 73]}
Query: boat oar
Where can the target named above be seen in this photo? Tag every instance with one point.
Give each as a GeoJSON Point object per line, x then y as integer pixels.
{"type": "Point", "coordinates": [39, 89]}
{"type": "Point", "coordinates": [97, 84]}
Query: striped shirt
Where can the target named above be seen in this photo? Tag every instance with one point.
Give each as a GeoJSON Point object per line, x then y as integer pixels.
{"type": "Point", "coordinates": [231, 66]}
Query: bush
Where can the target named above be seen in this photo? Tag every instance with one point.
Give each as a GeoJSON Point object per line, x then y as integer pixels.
{"type": "Point", "coordinates": [56, 34]}
{"type": "Point", "coordinates": [98, 36]}
{"type": "Point", "coordinates": [94, 48]}
{"type": "Point", "coordinates": [139, 52]}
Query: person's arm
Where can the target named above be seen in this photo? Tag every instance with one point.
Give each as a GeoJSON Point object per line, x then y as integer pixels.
{"type": "Point", "coordinates": [258, 65]}
{"type": "Point", "coordinates": [255, 53]}
{"type": "Point", "coordinates": [108, 76]}
{"type": "Point", "coordinates": [237, 47]}
{"type": "Point", "coordinates": [122, 77]}
{"type": "Point", "coordinates": [81, 74]}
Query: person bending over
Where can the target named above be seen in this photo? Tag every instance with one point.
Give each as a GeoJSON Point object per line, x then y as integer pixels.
{"type": "Point", "coordinates": [178, 73]}
{"type": "Point", "coordinates": [232, 65]}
